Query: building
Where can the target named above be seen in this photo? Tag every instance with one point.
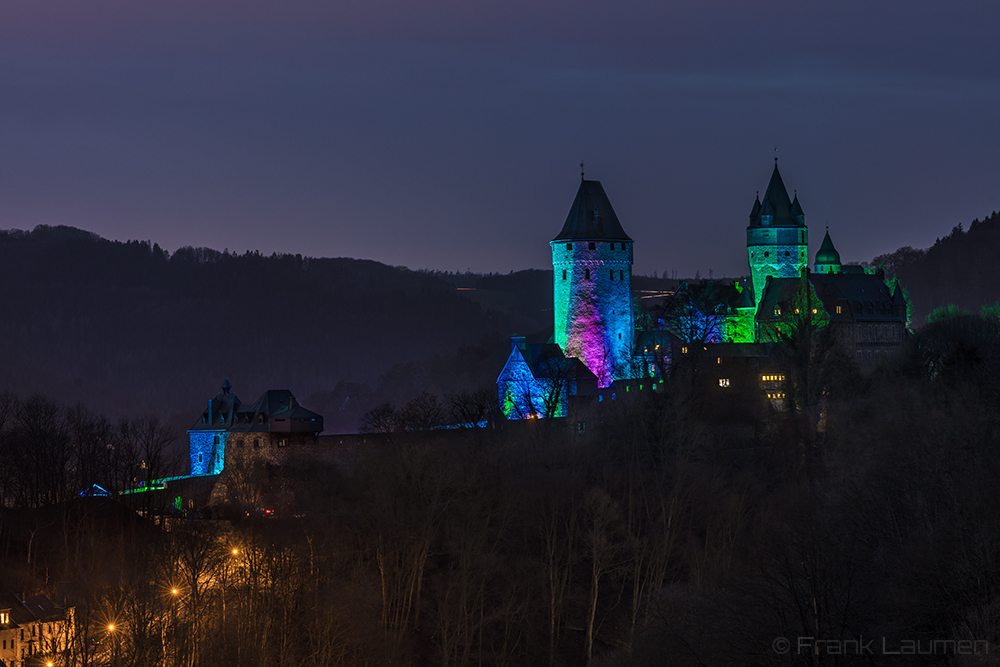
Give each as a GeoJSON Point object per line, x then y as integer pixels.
{"type": "Point", "coordinates": [538, 380]}
{"type": "Point", "coordinates": [32, 630]}
{"type": "Point", "coordinates": [271, 425]}
{"type": "Point", "coordinates": [594, 322]}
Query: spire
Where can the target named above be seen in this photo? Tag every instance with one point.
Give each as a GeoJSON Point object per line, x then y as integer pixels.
{"type": "Point", "coordinates": [777, 204]}
{"type": "Point", "coordinates": [226, 387]}
{"type": "Point", "coordinates": [591, 217]}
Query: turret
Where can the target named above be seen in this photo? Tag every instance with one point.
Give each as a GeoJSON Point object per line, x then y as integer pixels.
{"type": "Point", "coordinates": [827, 259]}
{"type": "Point", "coordinates": [777, 236]}
{"type": "Point", "coordinates": [592, 291]}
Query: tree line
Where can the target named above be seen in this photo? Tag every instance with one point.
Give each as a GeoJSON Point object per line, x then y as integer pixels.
{"type": "Point", "coordinates": [669, 532]}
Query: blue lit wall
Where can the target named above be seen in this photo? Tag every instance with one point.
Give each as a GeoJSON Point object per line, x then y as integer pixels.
{"type": "Point", "coordinates": [208, 452]}
{"type": "Point", "coordinates": [592, 305]}
{"type": "Point", "coordinates": [523, 396]}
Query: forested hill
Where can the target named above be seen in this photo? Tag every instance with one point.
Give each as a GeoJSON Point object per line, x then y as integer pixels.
{"type": "Point", "coordinates": [128, 329]}
{"type": "Point", "coordinates": [962, 269]}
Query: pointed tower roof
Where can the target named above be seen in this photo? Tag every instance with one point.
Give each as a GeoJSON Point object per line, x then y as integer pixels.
{"type": "Point", "coordinates": [591, 218]}
{"type": "Point", "coordinates": [827, 254]}
{"type": "Point", "coordinates": [777, 204]}
{"type": "Point", "coordinates": [755, 211]}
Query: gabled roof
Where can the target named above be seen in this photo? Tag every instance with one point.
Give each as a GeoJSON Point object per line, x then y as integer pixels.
{"type": "Point", "coordinates": [776, 204]}
{"type": "Point", "coordinates": [591, 217]}
{"type": "Point", "coordinates": [827, 254]}
{"type": "Point", "coordinates": [276, 404]}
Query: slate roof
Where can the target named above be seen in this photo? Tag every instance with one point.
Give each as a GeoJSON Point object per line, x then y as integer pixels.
{"type": "Point", "coordinates": [546, 360]}
{"type": "Point", "coordinates": [863, 297]}
{"type": "Point", "coordinates": [226, 412]}
{"type": "Point", "coordinates": [827, 254]}
{"type": "Point", "coordinates": [591, 217]}
{"type": "Point", "coordinates": [782, 211]}
{"type": "Point", "coordinates": [276, 405]}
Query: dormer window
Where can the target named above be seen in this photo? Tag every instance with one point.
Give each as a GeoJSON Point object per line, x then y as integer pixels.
{"type": "Point", "coordinates": [5, 617]}
{"type": "Point", "coordinates": [260, 419]}
{"type": "Point", "coordinates": [777, 311]}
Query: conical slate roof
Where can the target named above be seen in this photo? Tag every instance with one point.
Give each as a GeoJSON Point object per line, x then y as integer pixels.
{"type": "Point", "coordinates": [827, 254]}
{"type": "Point", "coordinates": [777, 204]}
{"type": "Point", "coordinates": [591, 218]}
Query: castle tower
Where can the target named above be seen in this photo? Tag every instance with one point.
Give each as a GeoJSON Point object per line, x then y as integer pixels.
{"type": "Point", "coordinates": [777, 237]}
{"type": "Point", "coordinates": [827, 259]}
{"type": "Point", "coordinates": [592, 291]}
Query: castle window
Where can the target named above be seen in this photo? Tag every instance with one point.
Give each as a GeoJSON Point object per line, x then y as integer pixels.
{"type": "Point", "coordinates": [619, 336]}
{"type": "Point", "coordinates": [723, 382]}
{"type": "Point", "coordinates": [718, 360]}
{"type": "Point", "coordinates": [239, 443]}
{"type": "Point", "coordinates": [766, 254]}
{"type": "Point", "coordinates": [620, 275]}
{"type": "Point", "coordinates": [564, 274]}
{"type": "Point", "coordinates": [838, 310]}
{"type": "Point", "coordinates": [786, 253]}
{"type": "Point", "coordinates": [4, 618]}
{"type": "Point", "coordinates": [569, 246]}
{"type": "Point", "coordinates": [777, 310]}
{"type": "Point", "coordinates": [612, 246]}
{"type": "Point", "coordinates": [256, 442]}
{"type": "Point", "coordinates": [592, 246]}
{"type": "Point", "coordinates": [282, 443]}
{"type": "Point", "coordinates": [216, 440]}
{"type": "Point", "coordinates": [611, 274]}
{"type": "Point", "coordinates": [586, 274]}
{"type": "Point", "coordinates": [260, 419]}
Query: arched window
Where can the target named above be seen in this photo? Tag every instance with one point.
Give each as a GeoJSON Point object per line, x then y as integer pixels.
{"type": "Point", "coordinates": [586, 274]}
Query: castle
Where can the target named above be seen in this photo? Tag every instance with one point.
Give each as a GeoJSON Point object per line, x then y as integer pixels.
{"type": "Point", "coordinates": [595, 344]}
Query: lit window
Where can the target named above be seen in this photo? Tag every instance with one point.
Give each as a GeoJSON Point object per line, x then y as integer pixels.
{"type": "Point", "coordinates": [5, 618]}
{"type": "Point", "coordinates": [777, 310]}
{"type": "Point", "coordinates": [796, 311]}
{"type": "Point", "coordinates": [282, 443]}
{"type": "Point", "coordinates": [684, 350]}
{"type": "Point", "coordinates": [814, 311]}
{"type": "Point", "coordinates": [600, 398]}
{"type": "Point", "coordinates": [723, 382]}
{"type": "Point", "coordinates": [718, 360]}
{"type": "Point", "coordinates": [838, 310]}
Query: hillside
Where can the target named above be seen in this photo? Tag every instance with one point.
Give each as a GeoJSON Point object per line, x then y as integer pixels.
{"type": "Point", "coordinates": [127, 329]}
{"type": "Point", "coordinates": [960, 268]}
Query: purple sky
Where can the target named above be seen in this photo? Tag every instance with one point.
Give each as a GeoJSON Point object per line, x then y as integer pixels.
{"type": "Point", "coordinates": [447, 134]}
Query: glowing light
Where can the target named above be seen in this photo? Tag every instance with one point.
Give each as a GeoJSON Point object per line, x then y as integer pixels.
{"type": "Point", "coordinates": [236, 552]}
{"type": "Point", "coordinates": [174, 591]}
{"type": "Point", "coordinates": [111, 627]}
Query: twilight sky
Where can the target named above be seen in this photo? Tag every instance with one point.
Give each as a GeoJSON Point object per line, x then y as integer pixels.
{"type": "Point", "coordinates": [447, 134]}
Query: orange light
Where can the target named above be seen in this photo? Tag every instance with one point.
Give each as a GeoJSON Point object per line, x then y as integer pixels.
{"type": "Point", "coordinates": [111, 627]}
{"type": "Point", "coordinates": [235, 551]}
{"type": "Point", "coordinates": [174, 591]}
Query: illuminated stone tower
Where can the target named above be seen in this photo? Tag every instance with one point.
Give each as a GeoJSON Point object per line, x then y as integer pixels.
{"type": "Point", "coordinates": [777, 237]}
{"type": "Point", "coordinates": [592, 295]}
